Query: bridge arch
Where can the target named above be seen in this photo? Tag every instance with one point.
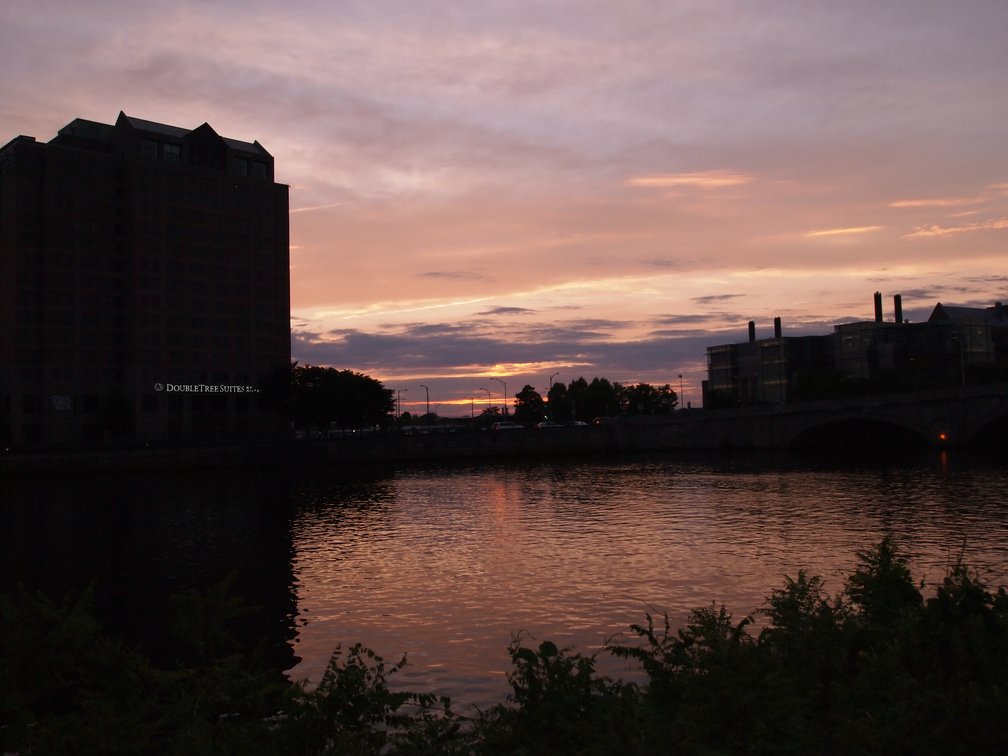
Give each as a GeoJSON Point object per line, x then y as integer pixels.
{"type": "Point", "coordinates": [992, 431]}
{"type": "Point", "coordinates": [860, 433]}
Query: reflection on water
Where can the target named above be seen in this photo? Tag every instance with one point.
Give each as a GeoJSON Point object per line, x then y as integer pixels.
{"type": "Point", "coordinates": [138, 538]}
{"type": "Point", "coordinates": [446, 564]}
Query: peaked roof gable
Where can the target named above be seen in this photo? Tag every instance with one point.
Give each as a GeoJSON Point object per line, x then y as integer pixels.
{"type": "Point", "coordinates": [957, 312]}
{"type": "Point", "coordinates": [153, 127]}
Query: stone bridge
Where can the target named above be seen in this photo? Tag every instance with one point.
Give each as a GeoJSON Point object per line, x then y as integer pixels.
{"type": "Point", "coordinates": [938, 418]}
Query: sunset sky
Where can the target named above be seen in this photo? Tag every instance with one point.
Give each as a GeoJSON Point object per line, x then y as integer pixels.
{"type": "Point", "coordinates": [519, 188]}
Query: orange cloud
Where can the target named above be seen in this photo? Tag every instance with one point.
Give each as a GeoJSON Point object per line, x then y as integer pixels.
{"type": "Point", "coordinates": [937, 202]}
{"type": "Point", "coordinates": [697, 180]}
{"type": "Point", "coordinates": [843, 231]}
{"type": "Point", "coordinates": [292, 211]}
{"type": "Point", "coordinates": [483, 372]}
{"type": "Point", "coordinates": [936, 230]}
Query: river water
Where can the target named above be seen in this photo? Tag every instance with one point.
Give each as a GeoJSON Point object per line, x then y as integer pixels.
{"type": "Point", "coordinates": [445, 564]}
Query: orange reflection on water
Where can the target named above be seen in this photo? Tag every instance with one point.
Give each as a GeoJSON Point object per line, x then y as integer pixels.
{"type": "Point", "coordinates": [447, 565]}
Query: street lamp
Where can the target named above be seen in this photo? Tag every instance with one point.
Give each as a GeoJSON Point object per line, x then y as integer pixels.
{"type": "Point", "coordinates": [501, 382]}
{"type": "Point", "coordinates": [550, 392]}
{"type": "Point", "coordinates": [682, 404]}
{"type": "Point", "coordinates": [488, 395]}
{"type": "Point", "coordinates": [399, 403]}
{"type": "Point", "coordinates": [427, 392]}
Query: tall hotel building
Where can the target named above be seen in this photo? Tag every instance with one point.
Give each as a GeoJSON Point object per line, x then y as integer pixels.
{"type": "Point", "coordinates": [144, 286]}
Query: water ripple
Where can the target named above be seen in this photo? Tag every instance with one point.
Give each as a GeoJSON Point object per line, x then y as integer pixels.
{"type": "Point", "coordinates": [447, 564]}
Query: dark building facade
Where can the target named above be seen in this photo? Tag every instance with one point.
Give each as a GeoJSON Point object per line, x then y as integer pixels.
{"type": "Point", "coordinates": [955, 346]}
{"type": "Point", "coordinates": [762, 370]}
{"type": "Point", "coordinates": [144, 285]}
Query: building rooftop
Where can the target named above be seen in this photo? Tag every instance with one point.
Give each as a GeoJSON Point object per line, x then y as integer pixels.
{"type": "Point", "coordinates": [157, 128]}
{"type": "Point", "coordinates": [959, 312]}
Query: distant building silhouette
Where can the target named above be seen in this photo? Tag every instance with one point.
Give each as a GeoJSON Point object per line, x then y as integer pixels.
{"type": "Point", "coordinates": [144, 285]}
{"type": "Point", "coordinates": [955, 346]}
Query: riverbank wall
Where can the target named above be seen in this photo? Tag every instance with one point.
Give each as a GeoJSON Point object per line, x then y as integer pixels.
{"type": "Point", "coordinates": [936, 419]}
{"type": "Point", "coordinates": [439, 443]}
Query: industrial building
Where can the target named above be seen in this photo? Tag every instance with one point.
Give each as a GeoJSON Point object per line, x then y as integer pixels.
{"type": "Point", "coordinates": [144, 286]}
{"type": "Point", "coordinates": [954, 346]}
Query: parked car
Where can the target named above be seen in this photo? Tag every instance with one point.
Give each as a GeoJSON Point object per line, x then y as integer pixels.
{"type": "Point", "coordinates": [546, 424]}
{"type": "Point", "coordinates": [506, 425]}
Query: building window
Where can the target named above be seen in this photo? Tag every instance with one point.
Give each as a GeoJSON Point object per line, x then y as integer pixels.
{"type": "Point", "coordinates": [239, 166]}
{"type": "Point", "coordinates": [259, 169]}
{"type": "Point", "coordinates": [149, 149]}
{"type": "Point", "coordinates": [172, 153]}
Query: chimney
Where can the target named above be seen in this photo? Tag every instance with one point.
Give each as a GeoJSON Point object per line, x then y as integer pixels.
{"type": "Point", "coordinates": [898, 305]}
{"type": "Point", "coordinates": [776, 328]}
{"type": "Point", "coordinates": [878, 306]}
{"type": "Point", "coordinates": [752, 331]}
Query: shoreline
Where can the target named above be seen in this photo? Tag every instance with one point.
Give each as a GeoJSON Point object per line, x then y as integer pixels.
{"type": "Point", "coordinates": [870, 425]}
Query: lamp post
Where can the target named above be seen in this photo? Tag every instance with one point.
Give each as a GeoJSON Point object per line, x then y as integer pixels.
{"type": "Point", "coordinates": [488, 395]}
{"type": "Point", "coordinates": [427, 393]}
{"type": "Point", "coordinates": [501, 382]}
{"type": "Point", "coordinates": [399, 403]}
{"type": "Point", "coordinates": [682, 404]}
{"type": "Point", "coordinates": [551, 380]}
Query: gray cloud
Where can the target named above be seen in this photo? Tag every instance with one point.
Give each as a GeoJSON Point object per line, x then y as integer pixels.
{"type": "Point", "coordinates": [665, 264]}
{"type": "Point", "coordinates": [689, 320]}
{"type": "Point", "coordinates": [715, 298]}
{"type": "Point", "coordinates": [507, 311]}
{"type": "Point", "coordinates": [454, 275]}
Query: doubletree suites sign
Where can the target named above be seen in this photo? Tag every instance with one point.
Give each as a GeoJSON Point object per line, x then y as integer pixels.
{"type": "Point", "coordinates": [61, 402]}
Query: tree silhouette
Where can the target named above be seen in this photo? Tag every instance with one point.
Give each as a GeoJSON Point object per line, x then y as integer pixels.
{"type": "Point", "coordinates": [577, 396]}
{"type": "Point", "coordinates": [645, 399]}
{"type": "Point", "coordinates": [321, 396]}
{"type": "Point", "coordinates": [488, 417]}
{"type": "Point", "coordinates": [582, 400]}
{"type": "Point", "coordinates": [602, 399]}
{"type": "Point", "coordinates": [559, 408]}
{"type": "Point", "coordinates": [529, 406]}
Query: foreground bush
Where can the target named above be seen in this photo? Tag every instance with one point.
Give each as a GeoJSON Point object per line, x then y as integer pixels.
{"type": "Point", "coordinates": [873, 669]}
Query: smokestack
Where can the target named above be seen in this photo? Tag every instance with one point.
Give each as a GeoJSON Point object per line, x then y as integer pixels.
{"type": "Point", "coordinates": [898, 305]}
{"type": "Point", "coordinates": [878, 306]}
{"type": "Point", "coordinates": [776, 328]}
{"type": "Point", "coordinates": [752, 331]}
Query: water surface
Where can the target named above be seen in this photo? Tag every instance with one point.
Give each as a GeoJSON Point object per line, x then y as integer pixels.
{"type": "Point", "coordinates": [446, 564]}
